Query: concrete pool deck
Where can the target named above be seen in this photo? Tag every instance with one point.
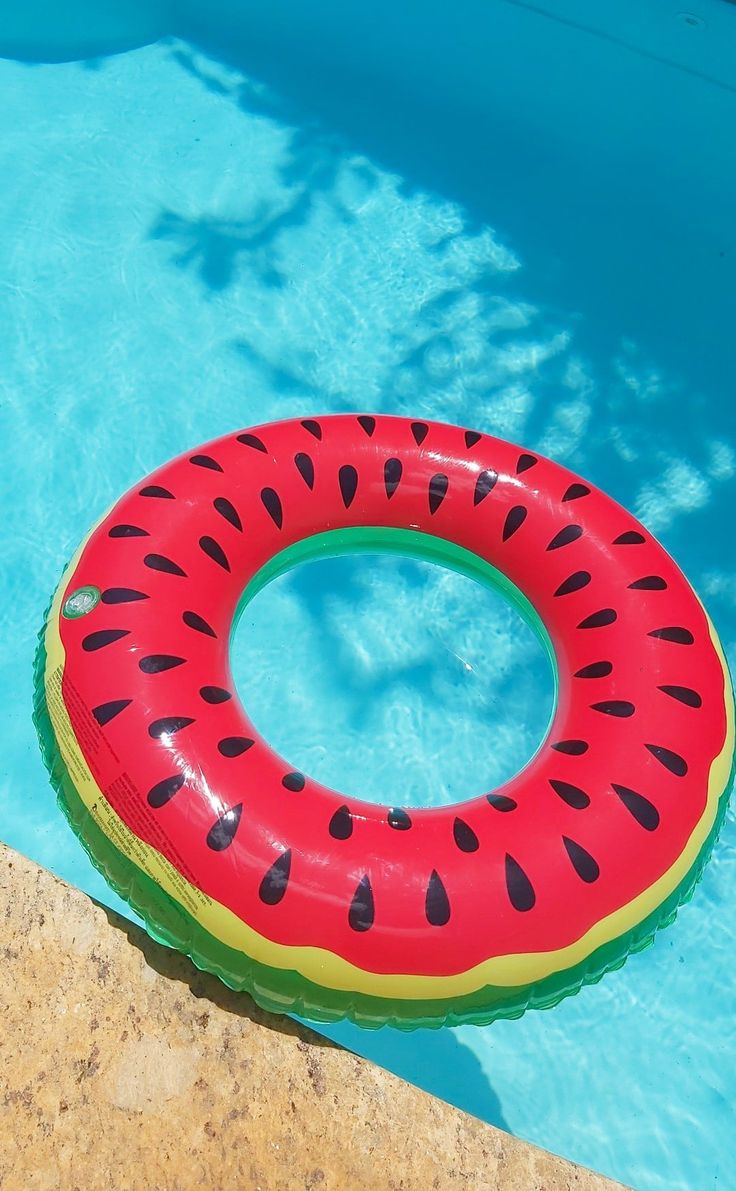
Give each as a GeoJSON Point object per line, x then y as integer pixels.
{"type": "Point", "coordinates": [123, 1061]}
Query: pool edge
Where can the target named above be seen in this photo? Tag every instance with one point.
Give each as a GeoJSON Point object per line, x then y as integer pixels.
{"type": "Point", "coordinates": [154, 1065]}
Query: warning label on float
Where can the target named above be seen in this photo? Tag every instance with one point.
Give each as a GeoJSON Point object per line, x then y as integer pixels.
{"type": "Point", "coordinates": [88, 756]}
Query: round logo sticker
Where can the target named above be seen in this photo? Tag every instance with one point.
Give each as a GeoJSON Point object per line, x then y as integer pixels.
{"type": "Point", "coordinates": [80, 602]}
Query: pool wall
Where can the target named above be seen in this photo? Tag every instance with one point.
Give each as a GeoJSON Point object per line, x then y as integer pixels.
{"type": "Point", "coordinates": [622, 117]}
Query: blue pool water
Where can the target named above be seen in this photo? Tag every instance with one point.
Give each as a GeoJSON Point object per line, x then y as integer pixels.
{"type": "Point", "coordinates": [485, 213]}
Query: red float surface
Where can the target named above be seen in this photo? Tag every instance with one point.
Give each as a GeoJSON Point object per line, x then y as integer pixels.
{"type": "Point", "coordinates": [604, 808]}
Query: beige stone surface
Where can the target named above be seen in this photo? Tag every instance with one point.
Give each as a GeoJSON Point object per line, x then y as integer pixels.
{"type": "Point", "coordinates": [121, 1067]}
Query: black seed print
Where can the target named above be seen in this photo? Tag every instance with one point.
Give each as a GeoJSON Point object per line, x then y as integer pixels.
{"type": "Point", "coordinates": [399, 819]}
{"type": "Point", "coordinates": [367, 423]}
{"type": "Point", "coordinates": [122, 595]}
{"type": "Point", "coordinates": [471, 438]}
{"type": "Point", "coordinates": [516, 518]}
{"type": "Point", "coordinates": [107, 711]}
{"type": "Point", "coordinates": [214, 694]}
{"type": "Point", "coordinates": [646, 815]}
{"type": "Point", "coordinates": [485, 483]}
{"type": "Point", "coordinates": [348, 480]}
{"type": "Point", "coordinates": [362, 909]}
{"type": "Point", "coordinates": [437, 491]}
{"type": "Point", "coordinates": [157, 491]}
{"type": "Point", "coordinates": [525, 462]}
{"type": "Point", "coordinates": [157, 562]}
{"type": "Point", "coordinates": [156, 663]}
{"type": "Point", "coordinates": [222, 832]}
{"type": "Point", "coordinates": [164, 791]}
{"type": "Point", "coordinates": [234, 746]}
{"type": "Point", "coordinates": [128, 531]}
{"type": "Point", "coordinates": [293, 781]}
{"type": "Point", "coordinates": [649, 583]}
{"type": "Point", "coordinates": [205, 461]}
{"type": "Point", "coordinates": [630, 538]}
{"type": "Point", "coordinates": [569, 534]}
{"type": "Point", "coordinates": [194, 621]}
{"type": "Point", "coordinates": [594, 670]}
{"type": "Point", "coordinates": [572, 795]}
{"type": "Point", "coordinates": [684, 694]}
{"type": "Point", "coordinates": [618, 707]}
{"type": "Point", "coordinates": [464, 836]}
{"type": "Point", "coordinates": [272, 504]}
{"type": "Point", "coordinates": [436, 901]}
{"type": "Point", "coordinates": [168, 726]}
{"type": "Point", "coordinates": [520, 889]}
{"type": "Point", "coordinates": [575, 491]}
{"type": "Point", "coordinates": [313, 428]}
{"type": "Point", "coordinates": [500, 802]}
{"type": "Point", "coordinates": [574, 583]}
{"type": "Point", "coordinates": [227, 510]}
{"type": "Point", "coordinates": [101, 638]}
{"type": "Point", "coordinates": [214, 551]}
{"type": "Point", "coordinates": [273, 886]}
{"type": "Point", "coordinates": [341, 823]}
{"type": "Point", "coordinates": [392, 470]}
{"type": "Point", "coordinates": [674, 633]}
{"type": "Point", "coordinates": [305, 467]}
{"type": "Point", "coordinates": [252, 440]}
{"type": "Point", "coordinates": [583, 863]}
{"type": "Point", "coordinates": [598, 620]}
{"type": "Point", "coordinates": [419, 430]}
{"type": "Point", "coordinates": [672, 761]}
{"type": "Point", "coordinates": [573, 748]}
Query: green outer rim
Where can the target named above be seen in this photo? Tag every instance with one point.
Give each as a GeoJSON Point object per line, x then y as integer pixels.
{"type": "Point", "coordinates": [281, 991]}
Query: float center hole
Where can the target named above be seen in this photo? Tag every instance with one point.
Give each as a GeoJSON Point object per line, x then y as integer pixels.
{"type": "Point", "coordinates": [392, 680]}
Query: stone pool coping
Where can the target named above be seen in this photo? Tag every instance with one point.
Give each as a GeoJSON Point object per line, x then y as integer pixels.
{"type": "Point", "coordinates": [123, 1066]}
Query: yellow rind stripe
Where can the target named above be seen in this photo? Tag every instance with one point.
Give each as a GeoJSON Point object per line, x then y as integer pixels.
{"type": "Point", "coordinates": [323, 967]}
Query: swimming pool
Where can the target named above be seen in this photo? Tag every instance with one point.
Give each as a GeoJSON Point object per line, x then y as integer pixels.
{"type": "Point", "coordinates": [486, 216]}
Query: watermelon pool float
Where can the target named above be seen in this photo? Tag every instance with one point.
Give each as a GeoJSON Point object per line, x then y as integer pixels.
{"type": "Point", "coordinates": [313, 901]}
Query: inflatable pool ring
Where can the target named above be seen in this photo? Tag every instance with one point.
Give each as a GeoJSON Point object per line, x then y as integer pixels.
{"type": "Point", "coordinates": [316, 902]}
